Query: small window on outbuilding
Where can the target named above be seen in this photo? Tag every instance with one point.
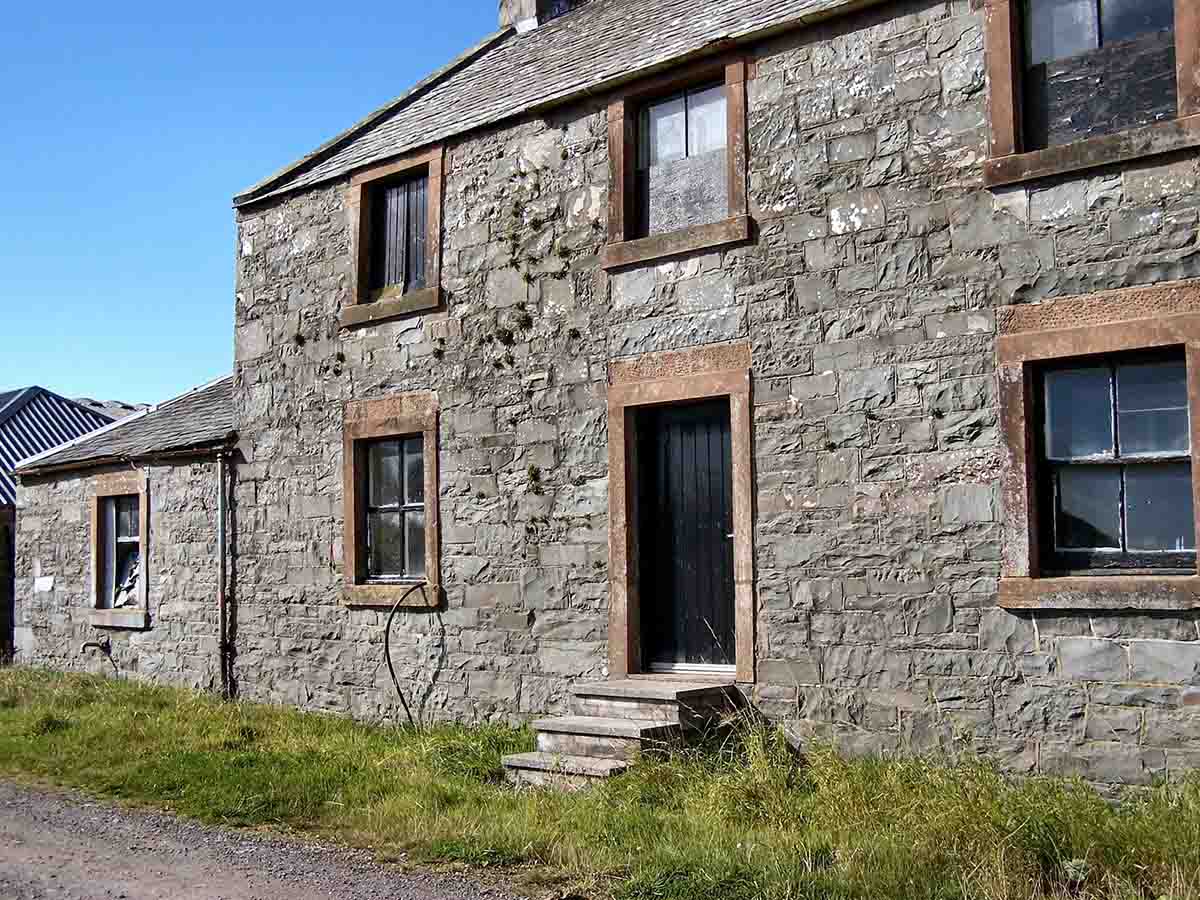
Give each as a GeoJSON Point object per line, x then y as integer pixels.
{"type": "Point", "coordinates": [121, 543]}
{"type": "Point", "coordinates": [552, 9]}
{"type": "Point", "coordinates": [1095, 67]}
{"type": "Point", "coordinates": [1116, 450]}
{"type": "Point", "coordinates": [682, 171]}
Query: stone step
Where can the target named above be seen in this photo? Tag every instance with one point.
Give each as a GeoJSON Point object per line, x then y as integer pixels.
{"type": "Point", "coordinates": [691, 704]}
{"type": "Point", "coordinates": [603, 738]}
{"type": "Point", "coordinates": [559, 770]}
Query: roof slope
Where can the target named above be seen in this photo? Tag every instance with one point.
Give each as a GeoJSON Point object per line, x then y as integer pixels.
{"type": "Point", "coordinates": [33, 420]}
{"type": "Point", "coordinates": [603, 43]}
{"type": "Point", "coordinates": [203, 417]}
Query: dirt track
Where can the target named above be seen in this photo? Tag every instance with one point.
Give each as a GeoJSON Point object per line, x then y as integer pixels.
{"type": "Point", "coordinates": [59, 846]}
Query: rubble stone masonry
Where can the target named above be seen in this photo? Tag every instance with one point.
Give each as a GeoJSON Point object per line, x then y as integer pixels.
{"type": "Point", "coordinates": [868, 296]}
{"type": "Point", "coordinates": [54, 578]}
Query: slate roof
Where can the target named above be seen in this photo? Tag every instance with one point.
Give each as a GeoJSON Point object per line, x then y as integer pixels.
{"type": "Point", "coordinates": [600, 45]}
{"type": "Point", "coordinates": [114, 409]}
{"type": "Point", "coordinates": [33, 420]}
{"type": "Point", "coordinates": [201, 418]}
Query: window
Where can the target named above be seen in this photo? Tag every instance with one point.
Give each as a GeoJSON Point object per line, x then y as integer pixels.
{"type": "Point", "coordinates": [390, 489]}
{"type": "Point", "coordinates": [682, 178]}
{"type": "Point", "coordinates": [1096, 67]}
{"type": "Point", "coordinates": [395, 513]}
{"type": "Point", "coordinates": [397, 251]}
{"type": "Point", "coordinates": [1116, 453]}
{"type": "Point", "coordinates": [395, 214]}
{"type": "Point", "coordinates": [120, 558]}
{"type": "Point", "coordinates": [678, 164]}
{"type": "Point", "coordinates": [552, 9]}
{"type": "Point", "coordinates": [121, 543]}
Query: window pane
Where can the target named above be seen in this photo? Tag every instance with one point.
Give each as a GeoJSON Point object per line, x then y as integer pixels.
{"type": "Point", "coordinates": [1078, 413]}
{"type": "Point", "coordinates": [1089, 508]}
{"type": "Point", "coordinates": [1056, 29]}
{"type": "Point", "coordinates": [127, 517]}
{"type": "Point", "coordinates": [414, 470]}
{"type": "Point", "coordinates": [108, 550]}
{"type": "Point", "coordinates": [1121, 20]}
{"type": "Point", "coordinates": [1152, 410]}
{"type": "Point", "coordinates": [706, 125]}
{"type": "Point", "coordinates": [416, 233]}
{"type": "Point", "coordinates": [666, 132]}
{"type": "Point", "coordinates": [384, 473]}
{"type": "Point", "coordinates": [125, 592]}
{"type": "Point", "coordinates": [385, 544]}
{"type": "Point", "coordinates": [414, 524]}
{"type": "Point", "coordinates": [1158, 507]}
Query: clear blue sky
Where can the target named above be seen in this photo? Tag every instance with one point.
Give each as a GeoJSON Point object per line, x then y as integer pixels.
{"type": "Point", "coordinates": [127, 128]}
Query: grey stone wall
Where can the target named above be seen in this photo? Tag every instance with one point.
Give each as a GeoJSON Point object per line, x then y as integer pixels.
{"type": "Point", "coordinates": [53, 585]}
{"type": "Point", "coordinates": [868, 298]}
{"type": "Point", "coordinates": [8, 526]}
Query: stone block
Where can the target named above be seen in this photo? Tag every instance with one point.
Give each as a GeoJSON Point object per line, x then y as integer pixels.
{"type": "Point", "coordinates": [1170, 662]}
{"type": "Point", "coordinates": [1091, 659]}
{"type": "Point", "coordinates": [968, 504]}
{"type": "Point", "coordinates": [865, 389]}
{"type": "Point", "coordinates": [856, 211]}
{"type": "Point", "coordinates": [803, 668]}
{"type": "Point", "coordinates": [502, 594]}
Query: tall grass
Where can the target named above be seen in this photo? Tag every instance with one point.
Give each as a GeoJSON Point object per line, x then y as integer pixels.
{"type": "Point", "coordinates": [751, 820]}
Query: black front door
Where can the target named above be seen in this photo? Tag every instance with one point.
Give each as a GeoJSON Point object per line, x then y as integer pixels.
{"type": "Point", "coordinates": [685, 541]}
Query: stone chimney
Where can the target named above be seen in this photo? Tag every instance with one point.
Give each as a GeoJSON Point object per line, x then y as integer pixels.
{"type": "Point", "coordinates": [519, 14]}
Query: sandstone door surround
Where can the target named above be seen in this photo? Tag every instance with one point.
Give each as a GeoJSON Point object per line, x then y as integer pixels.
{"type": "Point", "coordinates": [676, 376]}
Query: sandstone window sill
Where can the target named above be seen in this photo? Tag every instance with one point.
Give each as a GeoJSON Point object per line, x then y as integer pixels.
{"type": "Point", "coordinates": [734, 230]}
{"type": "Point", "coordinates": [1148, 593]}
{"type": "Point", "coordinates": [385, 596]}
{"type": "Point", "coordinates": [1149, 140]}
{"type": "Point", "coordinates": [386, 309]}
{"type": "Point", "coordinates": [134, 619]}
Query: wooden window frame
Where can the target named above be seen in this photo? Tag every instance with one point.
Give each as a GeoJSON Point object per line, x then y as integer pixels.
{"type": "Point", "coordinates": [676, 376]}
{"type": "Point", "coordinates": [367, 307]}
{"type": "Point", "coordinates": [1010, 163]}
{"type": "Point", "coordinates": [402, 415]}
{"type": "Point", "coordinates": [1033, 335]}
{"type": "Point", "coordinates": [121, 484]}
{"type": "Point", "coordinates": [624, 248]}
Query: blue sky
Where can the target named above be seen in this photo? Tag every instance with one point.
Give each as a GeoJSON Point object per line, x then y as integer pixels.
{"type": "Point", "coordinates": [127, 129]}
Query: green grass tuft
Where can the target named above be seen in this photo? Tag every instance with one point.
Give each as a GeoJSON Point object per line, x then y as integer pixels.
{"type": "Point", "coordinates": [744, 817]}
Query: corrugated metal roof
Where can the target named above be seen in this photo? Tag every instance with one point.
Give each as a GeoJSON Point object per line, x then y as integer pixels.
{"type": "Point", "coordinates": [202, 417]}
{"type": "Point", "coordinates": [601, 45]}
{"type": "Point", "coordinates": [34, 420]}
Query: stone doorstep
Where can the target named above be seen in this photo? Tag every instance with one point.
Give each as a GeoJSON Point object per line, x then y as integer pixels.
{"type": "Point", "coordinates": [659, 700]}
{"type": "Point", "coordinates": [603, 738]}
{"type": "Point", "coordinates": [662, 689]}
{"type": "Point", "coordinates": [557, 769]}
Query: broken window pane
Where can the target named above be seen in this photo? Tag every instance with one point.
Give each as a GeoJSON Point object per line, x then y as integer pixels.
{"type": "Point", "coordinates": [414, 527]}
{"type": "Point", "coordinates": [1079, 413]}
{"type": "Point", "coordinates": [128, 572]}
{"type": "Point", "coordinates": [1057, 29]}
{"type": "Point", "coordinates": [1121, 20]}
{"type": "Point", "coordinates": [1152, 408]}
{"type": "Point", "coordinates": [706, 121]}
{"type": "Point", "coordinates": [666, 132]}
{"type": "Point", "coordinates": [414, 470]}
{"type": "Point", "coordinates": [1158, 507]}
{"type": "Point", "coordinates": [384, 473]}
{"type": "Point", "coordinates": [1089, 508]}
{"type": "Point", "coordinates": [385, 544]}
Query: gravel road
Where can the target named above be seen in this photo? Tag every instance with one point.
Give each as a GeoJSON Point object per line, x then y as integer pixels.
{"type": "Point", "coordinates": [60, 846]}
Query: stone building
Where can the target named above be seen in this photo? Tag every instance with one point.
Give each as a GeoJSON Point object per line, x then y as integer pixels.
{"type": "Point", "coordinates": [120, 545]}
{"type": "Point", "coordinates": [841, 351]}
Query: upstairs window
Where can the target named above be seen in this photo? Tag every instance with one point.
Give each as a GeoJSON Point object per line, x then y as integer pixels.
{"type": "Point", "coordinates": [1116, 449]}
{"type": "Point", "coordinates": [395, 510]}
{"type": "Point", "coordinates": [682, 172]}
{"type": "Point", "coordinates": [398, 235]}
{"type": "Point", "coordinates": [1095, 67]}
{"type": "Point", "coordinates": [552, 9]}
{"type": "Point", "coordinates": [121, 546]}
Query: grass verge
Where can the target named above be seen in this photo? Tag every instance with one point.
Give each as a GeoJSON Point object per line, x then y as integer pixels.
{"type": "Point", "coordinates": [748, 821]}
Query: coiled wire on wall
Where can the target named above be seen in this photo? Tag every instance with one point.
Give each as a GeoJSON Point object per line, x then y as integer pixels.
{"type": "Point", "coordinates": [387, 647]}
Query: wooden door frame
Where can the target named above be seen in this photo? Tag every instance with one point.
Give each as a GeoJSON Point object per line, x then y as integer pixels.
{"type": "Point", "coordinates": [656, 379]}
